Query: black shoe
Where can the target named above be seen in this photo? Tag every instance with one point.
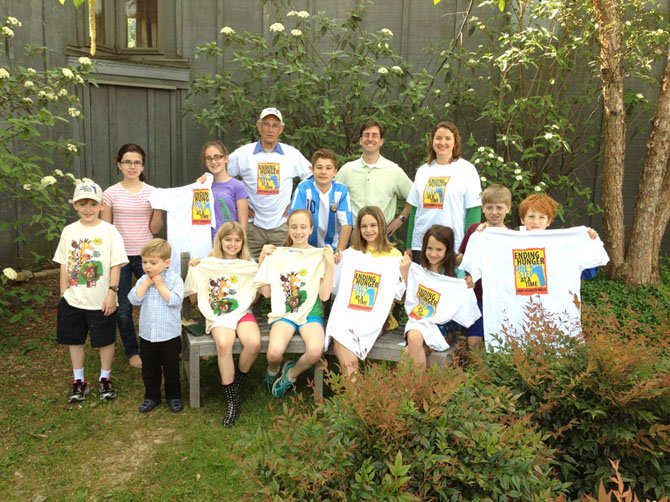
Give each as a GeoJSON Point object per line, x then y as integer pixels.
{"type": "Point", "coordinates": [79, 391]}
{"type": "Point", "coordinates": [175, 405]}
{"type": "Point", "coordinates": [107, 392]}
{"type": "Point", "coordinates": [148, 405]}
{"type": "Point", "coordinates": [232, 405]}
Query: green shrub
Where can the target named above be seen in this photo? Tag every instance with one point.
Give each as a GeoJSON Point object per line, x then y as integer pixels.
{"type": "Point", "coordinates": [606, 396]}
{"type": "Point", "coordinates": [403, 434]}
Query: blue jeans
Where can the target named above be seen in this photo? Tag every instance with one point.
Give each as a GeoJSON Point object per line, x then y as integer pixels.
{"type": "Point", "coordinates": [124, 314]}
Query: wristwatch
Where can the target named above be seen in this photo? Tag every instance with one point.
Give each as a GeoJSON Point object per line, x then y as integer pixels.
{"type": "Point", "coordinates": [402, 218]}
{"type": "Point", "coordinates": [114, 288]}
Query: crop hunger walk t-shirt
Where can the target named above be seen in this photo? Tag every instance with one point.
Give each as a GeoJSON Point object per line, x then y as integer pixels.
{"type": "Point", "coordinates": [190, 218]}
{"type": "Point", "coordinates": [365, 288]}
{"type": "Point", "coordinates": [225, 290]}
{"type": "Point", "coordinates": [294, 276]}
{"type": "Point", "coordinates": [541, 265]}
{"type": "Point", "coordinates": [433, 299]}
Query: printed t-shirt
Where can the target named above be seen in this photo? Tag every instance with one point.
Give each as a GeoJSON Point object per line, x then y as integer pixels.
{"type": "Point", "coordinates": [542, 266]}
{"type": "Point", "coordinates": [225, 290]}
{"type": "Point", "coordinates": [330, 211]}
{"type": "Point", "coordinates": [268, 177]}
{"type": "Point", "coordinates": [294, 276]}
{"type": "Point", "coordinates": [88, 254]}
{"type": "Point", "coordinates": [433, 299]}
{"type": "Point", "coordinates": [442, 194]}
{"type": "Point", "coordinates": [189, 219]}
{"type": "Point", "coordinates": [131, 213]}
{"type": "Point", "coordinates": [364, 292]}
{"type": "Point", "coordinates": [225, 195]}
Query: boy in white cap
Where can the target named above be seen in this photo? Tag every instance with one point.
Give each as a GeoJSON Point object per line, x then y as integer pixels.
{"type": "Point", "coordinates": [267, 169]}
{"type": "Point", "coordinates": [91, 254]}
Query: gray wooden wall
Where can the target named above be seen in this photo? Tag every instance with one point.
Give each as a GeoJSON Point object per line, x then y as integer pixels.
{"type": "Point", "coordinates": [143, 101]}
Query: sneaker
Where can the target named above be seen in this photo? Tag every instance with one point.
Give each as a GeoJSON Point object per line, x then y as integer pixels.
{"type": "Point", "coordinates": [148, 405]}
{"type": "Point", "coordinates": [282, 385]}
{"type": "Point", "coordinates": [269, 380]}
{"type": "Point", "coordinates": [175, 405]}
{"type": "Point", "coordinates": [79, 391]}
{"type": "Point", "coordinates": [107, 392]}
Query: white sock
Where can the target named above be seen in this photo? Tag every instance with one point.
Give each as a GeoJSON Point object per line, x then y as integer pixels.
{"type": "Point", "coordinates": [78, 374]}
{"type": "Point", "coordinates": [105, 374]}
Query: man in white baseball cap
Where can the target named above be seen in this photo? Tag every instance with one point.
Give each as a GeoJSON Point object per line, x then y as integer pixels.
{"type": "Point", "coordinates": [267, 168]}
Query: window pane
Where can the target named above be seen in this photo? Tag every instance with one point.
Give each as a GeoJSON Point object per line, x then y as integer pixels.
{"type": "Point", "coordinates": [141, 24]}
{"type": "Point", "coordinates": [100, 38]}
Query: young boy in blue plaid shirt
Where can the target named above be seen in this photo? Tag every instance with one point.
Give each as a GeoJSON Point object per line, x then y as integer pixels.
{"type": "Point", "coordinates": [159, 293]}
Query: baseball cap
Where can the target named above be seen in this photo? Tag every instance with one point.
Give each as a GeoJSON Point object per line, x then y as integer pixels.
{"type": "Point", "coordinates": [271, 111]}
{"type": "Point", "coordinates": [87, 190]}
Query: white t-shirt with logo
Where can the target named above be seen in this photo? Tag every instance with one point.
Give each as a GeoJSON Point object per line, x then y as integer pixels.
{"type": "Point", "coordinates": [433, 299]}
{"type": "Point", "coordinates": [190, 218]}
{"type": "Point", "coordinates": [365, 288]}
{"type": "Point", "coordinates": [442, 194]}
{"type": "Point", "coordinates": [225, 290]}
{"type": "Point", "coordinates": [294, 276]}
{"type": "Point", "coordinates": [268, 177]}
{"type": "Point", "coordinates": [88, 253]}
{"type": "Point", "coordinates": [539, 266]}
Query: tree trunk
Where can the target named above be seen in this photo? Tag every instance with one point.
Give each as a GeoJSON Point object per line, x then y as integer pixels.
{"type": "Point", "coordinates": [662, 219]}
{"type": "Point", "coordinates": [649, 220]}
{"type": "Point", "coordinates": [614, 152]}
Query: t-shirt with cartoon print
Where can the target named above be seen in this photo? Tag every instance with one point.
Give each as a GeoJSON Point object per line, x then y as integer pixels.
{"type": "Point", "coordinates": [88, 253]}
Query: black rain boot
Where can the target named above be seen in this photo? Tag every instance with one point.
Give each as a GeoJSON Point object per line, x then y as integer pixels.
{"type": "Point", "coordinates": [232, 404]}
{"type": "Point", "coordinates": [239, 380]}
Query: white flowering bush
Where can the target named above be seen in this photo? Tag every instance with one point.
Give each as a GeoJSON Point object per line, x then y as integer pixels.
{"type": "Point", "coordinates": [34, 104]}
{"type": "Point", "coordinates": [326, 75]}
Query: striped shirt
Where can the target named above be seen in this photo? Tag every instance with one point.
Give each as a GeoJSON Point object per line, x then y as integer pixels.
{"type": "Point", "coordinates": [131, 213]}
{"type": "Point", "coordinates": [160, 321]}
{"type": "Point", "coordinates": [330, 211]}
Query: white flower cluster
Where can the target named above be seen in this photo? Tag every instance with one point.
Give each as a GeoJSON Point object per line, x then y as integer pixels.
{"type": "Point", "coordinates": [32, 71]}
{"type": "Point", "coordinates": [72, 148]}
{"type": "Point", "coordinates": [48, 95]}
{"type": "Point", "coordinates": [47, 181]}
{"type": "Point", "coordinates": [73, 112]}
{"type": "Point", "coordinates": [3, 73]}
{"type": "Point", "coordinates": [11, 20]}
{"type": "Point", "coordinates": [277, 27]}
{"type": "Point", "coordinates": [300, 13]}
{"type": "Point", "coordinates": [7, 31]}
{"type": "Point", "coordinates": [386, 32]}
{"type": "Point", "coordinates": [382, 70]}
{"type": "Point", "coordinates": [227, 30]}
{"type": "Point", "coordinates": [28, 84]}
{"type": "Point", "coordinates": [84, 61]}
{"type": "Point", "coordinates": [68, 73]}
{"type": "Point", "coordinates": [10, 273]}
{"type": "Point", "coordinates": [296, 33]}
{"type": "Point", "coordinates": [397, 69]}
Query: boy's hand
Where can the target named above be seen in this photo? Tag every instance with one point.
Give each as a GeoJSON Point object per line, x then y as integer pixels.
{"type": "Point", "coordinates": [592, 233]}
{"type": "Point", "coordinates": [109, 304]}
{"type": "Point", "coordinates": [157, 280]}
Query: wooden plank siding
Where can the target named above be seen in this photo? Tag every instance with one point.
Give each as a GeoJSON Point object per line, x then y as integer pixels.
{"type": "Point", "coordinates": [142, 100]}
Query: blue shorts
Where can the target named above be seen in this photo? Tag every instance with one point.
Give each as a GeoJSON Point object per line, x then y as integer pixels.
{"type": "Point", "coordinates": [449, 327]}
{"type": "Point", "coordinates": [310, 319]}
{"type": "Point", "coordinates": [477, 329]}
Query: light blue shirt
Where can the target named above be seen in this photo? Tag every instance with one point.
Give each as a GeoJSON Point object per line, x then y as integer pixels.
{"type": "Point", "coordinates": [160, 321]}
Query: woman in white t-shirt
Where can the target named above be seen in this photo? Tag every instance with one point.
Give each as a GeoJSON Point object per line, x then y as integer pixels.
{"type": "Point", "coordinates": [126, 205]}
{"type": "Point", "coordinates": [446, 189]}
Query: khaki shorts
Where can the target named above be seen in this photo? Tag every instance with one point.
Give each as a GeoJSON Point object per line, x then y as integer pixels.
{"type": "Point", "coordinates": [258, 237]}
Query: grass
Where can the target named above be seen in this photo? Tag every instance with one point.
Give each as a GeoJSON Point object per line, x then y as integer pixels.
{"type": "Point", "coordinates": [52, 450]}
{"type": "Point", "coordinates": [108, 450]}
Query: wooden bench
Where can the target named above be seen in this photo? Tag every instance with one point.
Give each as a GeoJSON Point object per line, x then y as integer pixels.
{"type": "Point", "coordinates": [196, 344]}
